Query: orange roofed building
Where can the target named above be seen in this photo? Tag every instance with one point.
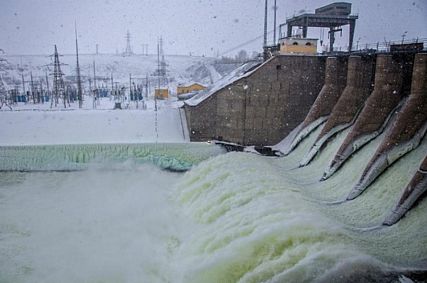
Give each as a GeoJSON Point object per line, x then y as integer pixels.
{"type": "Point", "coordinates": [190, 88]}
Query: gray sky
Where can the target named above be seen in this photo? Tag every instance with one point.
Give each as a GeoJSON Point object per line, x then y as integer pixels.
{"type": "Point", "coordinates": [197, 26]}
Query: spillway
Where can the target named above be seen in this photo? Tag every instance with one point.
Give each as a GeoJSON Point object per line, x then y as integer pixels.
{"type": "Point", "coordinates": [234, 217]}
{"type": "Point", "coordinates": [413, 193]}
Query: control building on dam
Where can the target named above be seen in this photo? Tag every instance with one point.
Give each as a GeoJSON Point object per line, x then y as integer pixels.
{"type": "Point", "coordinates": [370, 94]}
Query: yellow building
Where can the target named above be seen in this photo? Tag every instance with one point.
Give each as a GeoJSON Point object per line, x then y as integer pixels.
{"type": "Point", "coordinates": [190, 88]}
{"type": "Point", "coordinates": [296, 45]}
{"type": "Point", "coordinates": [162, 93]}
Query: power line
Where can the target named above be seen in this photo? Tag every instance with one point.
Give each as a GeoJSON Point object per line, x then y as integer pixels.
{"type": "Point", "coordinates": [245, 43]}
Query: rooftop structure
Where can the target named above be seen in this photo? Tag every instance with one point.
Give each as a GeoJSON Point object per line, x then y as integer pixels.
{"type": "Point", "coordinates": [332, 16]}
{"type": "Point", "coordinates": [295, 45]}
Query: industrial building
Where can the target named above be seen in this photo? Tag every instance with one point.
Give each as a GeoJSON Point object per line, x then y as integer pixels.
{"type": "Point", "coordinates": [162, 93]}
{"type": "Point", "coordinates": [190, 88]}
{"type": "Point", "coordinates": [298, 45]}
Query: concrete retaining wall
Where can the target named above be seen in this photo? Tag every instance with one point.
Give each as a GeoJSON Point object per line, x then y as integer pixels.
{"type": "Point", "coordinates": [201, 120]}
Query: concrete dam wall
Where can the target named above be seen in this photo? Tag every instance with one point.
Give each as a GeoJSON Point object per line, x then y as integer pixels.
{"type": "Point", "coordinates": [261, 108]}
{"type": "Point", "coordinates": [335, 80]}
{"type": "Point", "coordinates": [374, 96]}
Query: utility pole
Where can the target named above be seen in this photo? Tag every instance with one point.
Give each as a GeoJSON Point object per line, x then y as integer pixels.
{"type": "Point", "coordinates": [265, 23]}
{"type": "Point", "coordinates": [23, 83]}
{"type": "Point", "coordinates": [158, 91]}
{"type": "Point", "coordinates": [41, 96]}
{"type": "Point", "coordinates": [95, 90]}
{"type": "Point", "coordinates": [32, 88]}
{"type": "Point", "coordinates": [79, 81]}
{"type": "Point", "coordinates": [112, 84]}
{"type": "Point", "coordinates": [94, 76]}
{"type": "Point", "coordinates": [130, 87]}
{"type": "Point", "coordinates": [158, 76]}
{"type": "Point", "coordinates": [146, 86]}
{"type": "Point", "coordinates": [90, 85]}
{"type": "Point", "coordinates": [275, 12]}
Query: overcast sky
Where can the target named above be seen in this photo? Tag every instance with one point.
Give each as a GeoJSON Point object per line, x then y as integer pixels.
{"type": "Point", "coordinates": [197, 26]}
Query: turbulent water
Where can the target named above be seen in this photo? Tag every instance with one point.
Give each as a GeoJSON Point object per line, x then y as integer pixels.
{"type": "Point", "coordinates": [174, 157]}
{"type": "Point", "coordinates": [235, 217]}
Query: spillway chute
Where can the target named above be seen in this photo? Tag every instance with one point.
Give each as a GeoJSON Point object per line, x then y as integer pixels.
{"type": "Point", "coordinates": [413, 192]}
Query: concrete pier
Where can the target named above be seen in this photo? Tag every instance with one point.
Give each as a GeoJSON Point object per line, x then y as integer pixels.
{"type": "Point", "coordinates": [360, 79]}
{"type": "Point", "coordinates": [335, 81]}
{"type": "Point", "coordinates": [406, 132]}
{"type": "Point", "coordinates": [360, 82]}
{"type": "Point", "coordinates": [389, 90]}
{"type": "Point", "coordinates": [415, 190]}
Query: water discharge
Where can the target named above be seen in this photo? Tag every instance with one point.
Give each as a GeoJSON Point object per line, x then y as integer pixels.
{"type": "Point", "coordinates": [236, 217]}
{"type": "Point", "coordinates": [169, 156]}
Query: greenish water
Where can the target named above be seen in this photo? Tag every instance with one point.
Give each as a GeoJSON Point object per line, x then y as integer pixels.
{"type": "Point", "coordinates": [234, 217]}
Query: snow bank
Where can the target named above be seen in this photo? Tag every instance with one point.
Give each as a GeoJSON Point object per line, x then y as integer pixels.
{"type": "Point", "coordinates": [36, 127]}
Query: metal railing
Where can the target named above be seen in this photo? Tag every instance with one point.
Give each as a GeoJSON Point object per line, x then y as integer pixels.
{"type": "Point", "coordinates": [382, 47]}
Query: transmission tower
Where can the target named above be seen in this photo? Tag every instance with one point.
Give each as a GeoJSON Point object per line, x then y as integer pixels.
{"type": "Point", "coordinates": [128, 50]}
{"type": "Point", "coordinates": [58, 81]}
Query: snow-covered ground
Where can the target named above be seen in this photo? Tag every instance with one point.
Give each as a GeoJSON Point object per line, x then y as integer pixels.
{"type": "Point", "coordinates": [35, 124]}
{"type": "Point", "coordinates": [180, 69]}
{"type": "Point", "coordinates": [30, 124]}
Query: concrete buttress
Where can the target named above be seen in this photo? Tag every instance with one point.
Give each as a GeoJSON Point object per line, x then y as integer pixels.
{"type": "Point", "coordinates": [360, 74]}
{"type": "Point", "coordinates": [406, 132]}
{"type": "Point", "coordinates": [379, 108]}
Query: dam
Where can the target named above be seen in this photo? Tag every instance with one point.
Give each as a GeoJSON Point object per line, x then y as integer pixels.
{"type": "Point", "coordinates": [369, 94]}
{"type": "Point", "coordinates": [287, 168]}
{"type": "Point", "coordinates": [127, 212]}
{"type": "Point", "coordinates": [352, 144]}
